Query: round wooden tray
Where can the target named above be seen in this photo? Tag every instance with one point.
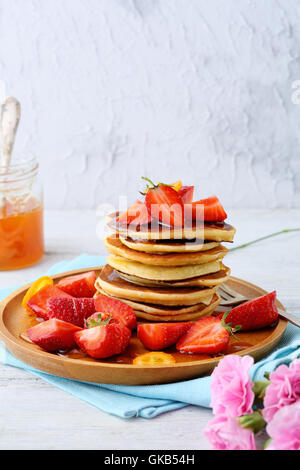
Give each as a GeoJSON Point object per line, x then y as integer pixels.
{"type": "Point", "coordinates": [12, 316]}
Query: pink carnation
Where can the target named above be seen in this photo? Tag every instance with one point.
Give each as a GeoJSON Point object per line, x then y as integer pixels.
{"type": "Point", "coordinates": [226, 434]}
{"type": "Point", "coordinates": [283, 390]}
{"type": "Point", "coordinates": [231, 387]}
{"type": "Point", "coordinates": [284, 429]}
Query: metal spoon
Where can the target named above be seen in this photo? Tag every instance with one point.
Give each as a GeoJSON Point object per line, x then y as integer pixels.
{"type": "Point", "coordinates": [10, 117]}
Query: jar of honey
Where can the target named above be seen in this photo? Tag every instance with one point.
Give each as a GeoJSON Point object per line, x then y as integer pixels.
{"type": "Point", "coordinates": [21, 215]}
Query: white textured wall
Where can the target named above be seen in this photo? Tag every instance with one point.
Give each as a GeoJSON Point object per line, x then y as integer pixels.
{"type": "Point", "coordinates": [192, 89]}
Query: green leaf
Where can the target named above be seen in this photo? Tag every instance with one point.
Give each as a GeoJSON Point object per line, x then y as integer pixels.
{"type": "Point", "coordinates": [92, 323]}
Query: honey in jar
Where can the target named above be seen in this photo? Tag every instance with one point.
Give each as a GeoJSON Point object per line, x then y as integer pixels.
{"type": "Point", "coordinates": [21, 216]}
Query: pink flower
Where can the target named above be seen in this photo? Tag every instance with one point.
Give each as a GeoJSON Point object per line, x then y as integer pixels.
{"type": "Point", "coordinates": [284, 429]}
{"type": "Point", "coordinates": [231, 387]}
{"type": "Point", "coordinates": [226, 434]}
{"type": "Point", "coordinates": [283, 390]}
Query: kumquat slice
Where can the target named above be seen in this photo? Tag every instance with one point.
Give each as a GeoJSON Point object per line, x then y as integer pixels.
{"type": "Point", "coordinates": [36, 286]}
{"type": "Point", "coordinates": [154, 358]}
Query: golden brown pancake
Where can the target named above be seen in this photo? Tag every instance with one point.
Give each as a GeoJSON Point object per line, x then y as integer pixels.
{"type": "Point", "coordinates": [219, 231]}
{"type": "Point", "coordinates": [203, 311]}
{"type": "Point", "coordinates": [162, 273]}
{"type": "Point", "coordinates": [124, 289]}
{"type": "Point", "coordinates": [116, 247]}
{"type": "Point", "coordinates": [167, 246]}
{"type": "Point", "coordinates": [204, 281]}
{"type": "Point", "coordinates": [160, 310]}
{"type": "Point", "coordinates": [164, 313]}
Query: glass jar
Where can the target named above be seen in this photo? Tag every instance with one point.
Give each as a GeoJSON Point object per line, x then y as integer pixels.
{"type": "Point", "coordinates": [21, 215]}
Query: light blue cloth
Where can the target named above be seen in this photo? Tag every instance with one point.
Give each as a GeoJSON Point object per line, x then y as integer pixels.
{"type": "Point", "coordinates": [147, 401]}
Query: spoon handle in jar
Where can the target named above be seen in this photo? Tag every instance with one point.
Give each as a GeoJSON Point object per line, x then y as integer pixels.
{"type": "Point", "coordinates": [10, 117]}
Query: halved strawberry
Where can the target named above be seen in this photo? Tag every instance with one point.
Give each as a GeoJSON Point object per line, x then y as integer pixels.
{"type": "Point", "coordinates": [158, 336]}
{"type": "Point", "coordinates": [38, 302]}
{"type": "Point", "coordinates": [213, 210]}
{"type": "Point", "coordinates": [207, 335]}
{"type": "Point", "coordinates": [137, 214]}
{"type": "Point", "coordinates": [186, 193]}
{"type": "Point", "coordinates": [103, 339]}
{"type": "Point", "coordinates": [80, 285]}
{"type": "Point", "coordinates": [255, 314]}
{"type": "Point", "coordinates": [71, 310]}
{"type": "Point", "coordinates": [164, 203]}
{"type": "Point", "coordinates": [116, 309]}
{"type": "Point", "coordinates": [53, 335]}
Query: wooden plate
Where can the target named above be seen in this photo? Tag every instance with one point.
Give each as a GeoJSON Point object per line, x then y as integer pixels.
{"type": "Point", "coordinates": [13, 316]}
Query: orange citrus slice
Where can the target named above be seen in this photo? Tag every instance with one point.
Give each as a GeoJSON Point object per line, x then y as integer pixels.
{"type": "Point", "coordinates": [36, 286]}
{"type": "Point", "coordinates": [154, 358]}
{"type": "Point", "coordinates": [177, 185]}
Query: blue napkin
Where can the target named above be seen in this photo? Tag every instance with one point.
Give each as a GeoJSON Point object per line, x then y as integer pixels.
{"type": "Point", "coordinates": [147, 401]}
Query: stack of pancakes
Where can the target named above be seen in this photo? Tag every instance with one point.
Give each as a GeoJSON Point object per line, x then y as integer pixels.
{"type": "Point", "coordinates": [166, 274]}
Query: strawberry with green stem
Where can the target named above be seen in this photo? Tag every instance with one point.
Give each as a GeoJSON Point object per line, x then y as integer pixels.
{"type": "Point", "coordinates": [103, 336]}
{"type": "Point", "coordinates": [164, 203]}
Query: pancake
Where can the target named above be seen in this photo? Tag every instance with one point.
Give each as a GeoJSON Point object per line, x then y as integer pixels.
{"type": "Point", "coordinates": [160, 310]}
{"type": "Point", "coordinates": [116, 247]}
{"type": "Point", "coordinates": [124, 289]}
{"type": "Point", "coordinates": [205, 281]}
{"type": "Point", "coordinates": [167, 246]}
{"type": "Point", "coordinates": [218, 231]}
{"type": "Point", "coordinates": [162, 273]}
{"type": "Point", "coordinates": [204, 310]}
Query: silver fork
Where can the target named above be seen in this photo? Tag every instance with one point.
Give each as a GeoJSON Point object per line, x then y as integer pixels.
{"type": "Point", "coordinates": [231, 297]}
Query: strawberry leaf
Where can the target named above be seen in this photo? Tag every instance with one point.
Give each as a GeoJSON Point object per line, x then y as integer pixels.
{"type": "Point", "coordinates": [228, 326]}
{"type": "Point", "coordinates": [92, 322]}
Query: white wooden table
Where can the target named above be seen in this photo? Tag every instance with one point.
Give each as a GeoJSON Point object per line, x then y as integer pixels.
{"type": "Point", "coordinates": [35, 415]}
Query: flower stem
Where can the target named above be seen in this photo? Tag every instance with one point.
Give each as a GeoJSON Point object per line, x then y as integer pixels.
{"type": "Point", "coordinates": [253, 421]}
{"type": "Point", "coordinates": [265, 238]}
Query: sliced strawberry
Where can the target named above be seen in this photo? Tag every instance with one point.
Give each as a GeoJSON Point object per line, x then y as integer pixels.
{"type": "Point", "coordinates": [71, 310]}
{"type": "Point", "coordinates": [53, 335]}
{"type": "Point", "coordinates": [137, 214]}
{"type": "Point", "coordinates": [103, 341]}
{"type": "Point", "coordinates": [164, 203]}
{"type": "Point", "coordinates": [158, 336]}
{"type": "Point", "coordinates": [116, 309]}
{"type": "Point", "coordinates": [186, 193]}
{"type": "Point", "coordinates": [80, 285]}
{"type": "Point", "coordinates": [38, 302]}
{"type": "Point", "coordinates": [210, 210]}
{"type": "Point", "coordinates": [254, 314]}
{"type": "Point", "coordinates": [207, 335]}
